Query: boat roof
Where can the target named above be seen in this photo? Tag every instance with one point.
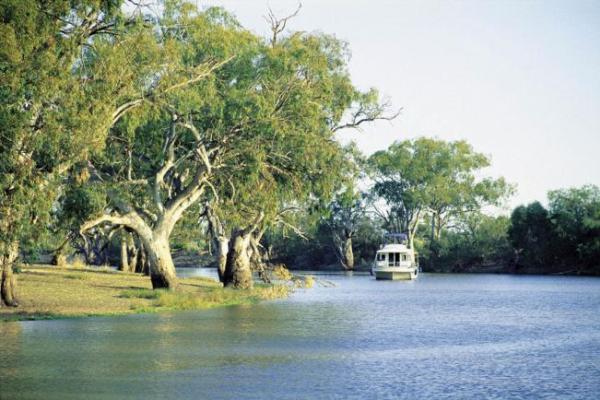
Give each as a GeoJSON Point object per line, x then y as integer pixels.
{"type": "Point", "coordinates": [394, 248]}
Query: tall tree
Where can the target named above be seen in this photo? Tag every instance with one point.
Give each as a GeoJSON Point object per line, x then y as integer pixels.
{"type": "Point", "coordinates": [307, 96]}
{"type": "Point", "coordinates": [161, 157]}
{"type": "Point", "coordinates": [435, 177]}
{"type": "Point", "coordinates": [402, 177]}
{"type": "Point", "coordinates": [56, 103]}
{"type": "Point", "coordinates": [455, 191]}
{"type": "Point", "coordinates": [347, 208]}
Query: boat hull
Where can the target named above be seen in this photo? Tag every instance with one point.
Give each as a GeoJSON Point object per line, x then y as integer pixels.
{"type": "Point", "coordinates": [395, 275]}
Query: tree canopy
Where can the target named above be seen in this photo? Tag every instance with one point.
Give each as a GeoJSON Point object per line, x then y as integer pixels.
{"type": "Point", "coordinates": [429, 176]}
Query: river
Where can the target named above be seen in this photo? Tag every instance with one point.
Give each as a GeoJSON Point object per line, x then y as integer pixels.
{"type": "Point", "coordinates": [441, 336]}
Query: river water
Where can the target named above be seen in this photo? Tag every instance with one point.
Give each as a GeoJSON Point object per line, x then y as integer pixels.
{"type": "Point", "coordinates": [441, 336]}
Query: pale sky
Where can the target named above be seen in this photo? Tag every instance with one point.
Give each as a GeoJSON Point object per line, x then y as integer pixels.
{"type": "Point", "coordinates": [520, 80]}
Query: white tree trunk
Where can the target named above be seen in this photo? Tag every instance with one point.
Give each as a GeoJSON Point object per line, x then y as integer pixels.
{"type": "Point", "coordinates": [160, 262]}
{"type": "Point", "coordinates": [237, 271]}
{"type": "Point", "coordinates": [222, 250]}
{"type": "Point", "coordinates": [124, 264]}
{"type": "Point", "coordinates": [8, 285]}
{"type": "Point", "coordinates": [348, 255]}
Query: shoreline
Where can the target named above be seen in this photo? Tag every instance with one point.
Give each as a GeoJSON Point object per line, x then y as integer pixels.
{"type": "Point", "coordinates": [49, 292]}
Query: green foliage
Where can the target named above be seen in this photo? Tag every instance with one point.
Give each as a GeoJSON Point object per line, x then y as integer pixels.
{"type": "Point", "coordinates": [420, 176]}
{"type": "Point", "coordinates": [477, 243]}
{"type": "Point", "coordinates": [575, 215]}
{"type": "Point", "coordinates": [531, 234]}
{"type": "Point", "coordinates": [63, 65]}
{"type": "Point", "coordinates": [211, 296]}
{"type": "Point", "coordinates": [266, 117]}
{"type": "Point", "coordinates": [283, 103]}
{"type": "Point", "coordinates": [141, 293]}
{"type": "Point", "coordinates": [564, 238]}
{"type": "Point", "coordinates": [78, 203]}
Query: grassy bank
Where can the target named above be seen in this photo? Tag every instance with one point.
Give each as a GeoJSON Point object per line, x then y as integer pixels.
{"type": "Point", "coordinates": [47, 292]}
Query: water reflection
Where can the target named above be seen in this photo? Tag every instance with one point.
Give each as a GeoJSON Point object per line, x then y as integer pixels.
{"type": "Point", "coordinates": [467, 336]}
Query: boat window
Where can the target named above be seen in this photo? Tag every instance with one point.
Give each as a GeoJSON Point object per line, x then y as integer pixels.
{"type": "Point", "coordinates": [380, 256]}
{"type": "Point", "coordinates": [394, 259]}
{"type": "Point", "coordinates": [404, 257]}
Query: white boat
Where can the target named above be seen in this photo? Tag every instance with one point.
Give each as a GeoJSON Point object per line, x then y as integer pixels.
{"type": "Point", "coordinates": [395, 260]}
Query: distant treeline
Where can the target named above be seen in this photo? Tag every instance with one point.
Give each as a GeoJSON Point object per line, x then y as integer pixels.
{"type": "Point", "coordinates": [563, 238]}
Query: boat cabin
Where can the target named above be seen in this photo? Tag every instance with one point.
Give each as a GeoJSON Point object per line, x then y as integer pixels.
{"type": "Point", "coordinates": [393, 258]}
{"type": "Point", "coordinates": [395, 252]}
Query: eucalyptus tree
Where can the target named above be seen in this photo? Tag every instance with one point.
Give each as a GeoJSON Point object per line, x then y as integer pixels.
{"type": "Point", "coordinates": [160, 158]}
{"type": "Point", "coordinates": [56, 102]}
{"type": "Point", "coordinates": [401, 175]}
{"type": "Point", "coordinates": [435, 177]}
{"type": "Point", "coordinates": [261, 124]}
{"type": "Point", "coordinates": [345, 213]}
{"type": "Point", "coordinates": [292, 158]}
{"type": "Point", "coordinates": [264, 186]}
{"type": "Point", "coordinates": [347, 207]}
{"type": "Point", "coordinates": [455, 189]}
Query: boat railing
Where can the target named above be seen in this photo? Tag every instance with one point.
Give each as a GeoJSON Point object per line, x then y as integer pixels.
{"type": "Point", "coordinates": [396, 263]}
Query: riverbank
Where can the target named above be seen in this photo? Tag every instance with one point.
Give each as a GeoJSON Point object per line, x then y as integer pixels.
{"type": "Point", "coordinates": [47, 292]}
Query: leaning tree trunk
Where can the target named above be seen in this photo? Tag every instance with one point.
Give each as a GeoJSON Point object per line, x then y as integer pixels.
{"type": "Point", "coordinates": [7, 280]}
{"type": "Point", "coordinates": [160, 262]}
{"type": "Point", "coordinates": [155, 243]}
{"type": "Point", "coordinates": [237, 270]}
{"type": "Point", "coordinates": [348, 255]}
{"type": "Point", "coordinates": [256, 259]}
{"type": "Point", "coordinates": [343, 247]}
{"type": "Point", "coordinates": [153, 232]}
{"type": "Point", "coordinates": [220, 240]}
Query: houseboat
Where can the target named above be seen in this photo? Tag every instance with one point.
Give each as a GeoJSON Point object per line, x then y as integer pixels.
{"type": "Point", "coordinates": [395, 260]}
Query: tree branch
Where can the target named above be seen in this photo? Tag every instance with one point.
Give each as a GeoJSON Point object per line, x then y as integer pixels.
{"type": "Point", "coordinates": [202, 71]}
{"type": "Point", "coordinates": [278, 24]}
{"type": "Point", "coordinates": [362, 115]}
{"type": "Point", "coordinates": [168, 163]}
{"type": "Point", "coordinates": [131, 220]}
